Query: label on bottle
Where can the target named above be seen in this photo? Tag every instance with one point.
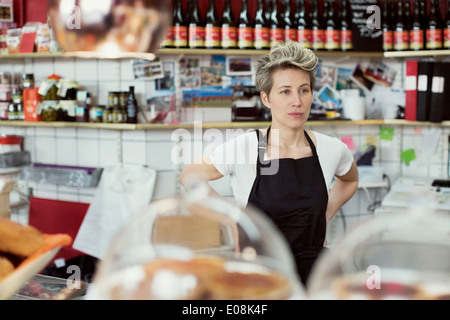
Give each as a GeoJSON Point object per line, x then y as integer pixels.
{"type": "Point", "coordinates": [168, 40]}
{"type": "Point", "coordinates": [261, 37]}
{"type": "Point", "coordinates": [212, 36]}
{"type": "Point", "coordinates": [276, 36]}
{"type": "Point", "coordinates": [245, 37]}
{"type": "Point", "coordinates": [346, 40]}
{"type": "Point", "coordinates": [446, 38]}
{"type": "Point", "coordinates": [401, 40]}
{"type": "Point", "coordinates": [229, 36]}
{"type": "Point", "coordinates": [304, 37]}
{"type": "Point", "coordinates": [180, 36]}
{"type": "Point", "coordinates": [434, 38]}
{"type": "Point", "coordinates": [290, 34]}
{"type": "Point", "coordinates": [416, 38]}
{"type": "Point", "coordinates": [388, 40]}
{"type": "Point", "coordinates": [318, 39]}
{"type": "Point", "coordinates": [196, 36]}
{"type": "Point", "coordinates": [332, 39]}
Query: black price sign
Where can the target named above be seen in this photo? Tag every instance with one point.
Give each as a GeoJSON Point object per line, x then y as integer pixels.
{"type": "Point", "coordinates": [366, 25]}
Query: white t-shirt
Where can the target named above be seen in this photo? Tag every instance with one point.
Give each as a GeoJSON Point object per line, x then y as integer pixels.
{"type": "Point", "coordinates": [237, 158]}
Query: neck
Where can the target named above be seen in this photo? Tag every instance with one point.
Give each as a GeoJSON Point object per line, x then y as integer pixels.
{"type": "Point", "coordinates": [288, 138]}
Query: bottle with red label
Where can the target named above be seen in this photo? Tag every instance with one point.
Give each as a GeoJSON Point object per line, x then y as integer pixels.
{"type": "Point", "coordinates": [290, 30]}
{"type": "Point", "coordinates": [196, 29]}
{"type": "Point", "coordinates": [168, 39]}
{"type": "Point", "coordinates": [212, 28]}
{"type": "Point", "coordinates": [446, 41]}
{"type": "Point", "coordinates": [416, 33]}
{"type": "Point", "coordinates": [318, 35]}
{"type": "Point", "coordinates": [245, 29]}
{"type": "Point", "coordinates": [401, 33]}
{"type": "Point", "coordinates": [332, 28]}
{"type": "Point", "coordinates": [276, 24]}
{"type": "Point", "coordinates": [228, 30]}
{"type": "Point", "coordinates": [346, 26]}
{"type": "Point", "coordinates": [386, 26]}
{"type": "Point", "coordinates": [261, 30]}
{"type": "Point", "coordinates": [433, 32]}
{"type": "Point", "coordinates": [179, 27]}
{"type": "Point", "coordinates": [304, 33]}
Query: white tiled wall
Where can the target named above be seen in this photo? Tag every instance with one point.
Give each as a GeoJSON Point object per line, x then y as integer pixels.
{"type": "Point", "coordinates": [154, 148]}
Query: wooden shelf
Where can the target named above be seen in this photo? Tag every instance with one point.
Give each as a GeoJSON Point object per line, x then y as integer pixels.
{"type": "Point", "coordinates": [208, 125]}
{"type": "Point", "coordinates": [413, 54]}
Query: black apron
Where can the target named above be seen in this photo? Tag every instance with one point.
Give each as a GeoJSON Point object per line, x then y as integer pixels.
{"type": "Point", "coordinates": [295, 198]}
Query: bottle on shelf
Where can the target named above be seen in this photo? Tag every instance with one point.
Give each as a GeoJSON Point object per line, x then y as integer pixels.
{"type": "Point", "coordinates": [276, 24]}
{"type": "Point", "coordinates": [407, 14]}
{"type": "Point", "coordinates": [245, 29]}
{"type": "Point", "coordinates": [332, 32]}
{"type": "Point", "coordinates": [180, 29]}
{"type": "Point", "coordinates": [318, 35]}
{"type": "Point", "coordinates": [132, 106]}
{"type": "Point", "coordinates": [304, 35]}
{"type": "Point", "coordinates": [212, 28]}
{"type": "Point", "coordinates": [261, 33]}
{"type": "Point", "coordinates": [387, 27]}
{"type": "Point", "coordinates": [433, 33]}
{"type": "Point", "coordinates": [168, 39]}
{"type": "Point", "coordinates": [290, 30]}
{"type": "Point", "coordinates": [196, 28]}
{"type": "Point", "coordinates": [417, 28]}
{"type": "Point", "coordinates": [401, 33]}
{"type": "Point", "coordinates": [346, 43]}
{"type": "Point", "coordinates": [228, 32]}
{"type": "Point", "coordinates": [446, 33]}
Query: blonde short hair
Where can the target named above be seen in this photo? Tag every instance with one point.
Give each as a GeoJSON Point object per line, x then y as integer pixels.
{"type": "Point", "coordinates": [287, 55]}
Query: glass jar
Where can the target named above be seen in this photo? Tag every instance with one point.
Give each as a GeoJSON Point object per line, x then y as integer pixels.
{"type": "Point", "coordinates": [194, 246]}
{"type": "Point", "coordinates": [96, 113]}
{"type": "Point", "coordinates": [28, 81]}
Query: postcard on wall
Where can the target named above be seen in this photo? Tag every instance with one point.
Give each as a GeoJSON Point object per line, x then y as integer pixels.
{"type": "Point", "coordinates": [360, 79]}
{"type": "Point", "coordinates": [329, 97]}
{"type": "Point", "coordinates": [325, 75]}
{"type": "Point", "coordinates": [218, 61]}
{"type": "Point", "coordinates": [380, 73]}
{"type": "Point", "coordinates": [147, 70]}
{"type": "Point", "coordinates": [211, 77]}
{"type": "Point", "coordinates": [168, 80]}
{"type": "Point", "coordinates": [238, 65]}
{"type": "Point", "coordinates": [189, 73]}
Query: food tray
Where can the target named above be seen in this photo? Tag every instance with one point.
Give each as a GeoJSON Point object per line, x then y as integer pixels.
{"type": "Point", "coordinates": [33, 264]}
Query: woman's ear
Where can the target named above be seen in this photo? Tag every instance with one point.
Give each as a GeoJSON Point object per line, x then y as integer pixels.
{"type": "Point", "coordinates": [265, 99]}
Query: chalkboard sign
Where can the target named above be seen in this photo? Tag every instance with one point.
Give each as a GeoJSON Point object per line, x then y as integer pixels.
{"type": "Point", "coordinates": [366, 25]}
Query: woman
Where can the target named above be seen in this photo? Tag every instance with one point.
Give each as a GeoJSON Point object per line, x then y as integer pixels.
{"type": "Point", "coordinates": [288, 172]}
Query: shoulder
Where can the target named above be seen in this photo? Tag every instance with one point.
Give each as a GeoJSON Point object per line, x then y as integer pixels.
{"type": "Point", "coordinates": [321, 140]}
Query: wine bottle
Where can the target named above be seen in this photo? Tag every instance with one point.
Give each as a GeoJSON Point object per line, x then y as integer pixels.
{"type": "Point", "coordinates": [401, 34]}
{"type": "Point", "coordinates": [261, 33]}
{"type": "Point", "coordinates": [132, 106]}
{"type": "Point", "coordinates": [304, 34]}
{"type": "Point", "coordinates": [228, 31]}
{"type": "Point", "coordinates": [168, 39]}
{"type": "Point", "coordinates": [318, 36]}
{"type": "Point", "coordinates": [387, 28]}
{"type": "Point", "coordinates": [276, 24]}
{"type": "Point", "coordinates": [446, 41]}
{"type": "Point", "coordinates": [180, 29]}
{"type": "Point", "coordinates": [245, 30]}
{"type": "Point", "coordinates": [196, 28]}
{"type": "Point", "coordinates": [332, 34]}
{"type": "Point", "coordinates": [346, 26]}
{"type": "Point", "coordinates": [434, 27]}
{"type": "Point", "coordinates": [416, 30]}
{"type": "Point", "coordinates": [290, 30]}
{"type": "Point", "coordinates": [212, 28]}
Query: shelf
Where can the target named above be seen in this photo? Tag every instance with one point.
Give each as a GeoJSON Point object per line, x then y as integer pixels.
{"type": "Point", "coordinates": [412, 54]}
{"type": "Point", "coordinates": [208, 125]}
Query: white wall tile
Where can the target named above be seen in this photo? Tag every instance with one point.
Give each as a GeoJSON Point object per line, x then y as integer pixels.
{"type": "Point", "coordinates": [65, 68]}
{"type": "Point", "coordinates": [86, 70]}
{"type": "Point", "coordinates": [109, 153]}
{"type": "Point", "coordinates": [108, 70]}
{"type": "Point", "coordinates": [165, 185]}
{"type": "Point", "coordinates": [134, 152]}
{"type": "Point", "coordinates": [159, 155]}
{"type": "Point", "coordinates": [88, 153]}
{"type": "Point", "coordinates": [42, 68]}
{"type": "Point", "coordinates": [66, 151]}
{"type": "Point", "coordinates": [45, 150]}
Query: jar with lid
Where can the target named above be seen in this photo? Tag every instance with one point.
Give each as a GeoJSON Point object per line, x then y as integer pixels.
{"type": "Point", "coordinates": [28, 81]}
{"type": "Point", "coordinates": [96, 113]}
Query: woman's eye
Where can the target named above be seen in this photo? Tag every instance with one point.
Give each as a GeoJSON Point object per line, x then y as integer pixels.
{"type": "Point", "coordinates": [285, 92]}
{"type": "Point", "coordinates": [304, 91]}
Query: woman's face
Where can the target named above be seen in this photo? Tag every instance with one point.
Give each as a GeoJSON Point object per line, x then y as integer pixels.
{"type": "Point", "coordinates": [290, 97]}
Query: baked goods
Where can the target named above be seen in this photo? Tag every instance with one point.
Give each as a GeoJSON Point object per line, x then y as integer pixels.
{"type": "Point", "coordinates": [6, 267]}
{"type": "Point", "coordinates": [18, 239]}
{"type": "Point", "coordinates": [201, 278]}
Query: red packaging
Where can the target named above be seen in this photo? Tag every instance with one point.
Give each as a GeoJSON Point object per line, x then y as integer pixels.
{"type": "Point", "coordinates": [31, 99]}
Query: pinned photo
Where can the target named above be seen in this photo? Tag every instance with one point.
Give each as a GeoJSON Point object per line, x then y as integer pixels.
{"type": "Point", "coordinates": [239, 65]}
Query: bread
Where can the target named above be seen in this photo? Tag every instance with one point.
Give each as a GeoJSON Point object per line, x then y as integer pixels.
{"type": "Point", "coordinates": [18, 239]}
{"type": "Point", "coordinates": [6, 267]}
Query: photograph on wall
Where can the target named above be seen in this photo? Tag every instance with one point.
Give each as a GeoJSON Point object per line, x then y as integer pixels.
{"type": "Point", "coordinates": [344, 79]}
{"type": "Point", "coordinates": [160, 106]}
{"type": "Point", "coordinates": [189, 73]}
{"type": "Point", "coordinates": [329, 97]}
{"type": "Point", "coordinates": [380, 73]}
{"type": "Point", "coordinates": [147, 70]}
{"type": "Point", "coordinates": [360, 79]}
{"type": "Point", "coordinates": [325, 75]}
{"type": "Point", "coordinates": [218, 61]}
{"type": "Point", "coordinates": [211, 77]}
{"type": "Point", "coordinates": [239, 65]}
{"type": "Point", "coordinates": [168, 80]}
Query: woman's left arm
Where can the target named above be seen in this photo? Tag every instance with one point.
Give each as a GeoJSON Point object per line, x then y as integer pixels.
{"type": "Point", "coordinates": [343, 189]}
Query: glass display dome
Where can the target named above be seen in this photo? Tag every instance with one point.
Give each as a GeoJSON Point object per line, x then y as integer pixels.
{"type": "Point", "coordinates": [195, 246]}
{"type": "Point", "coordinates": [397, 255]}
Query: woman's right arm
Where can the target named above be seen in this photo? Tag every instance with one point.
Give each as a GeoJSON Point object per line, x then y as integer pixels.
{"type": "Point", "coordinates": [201, 169]}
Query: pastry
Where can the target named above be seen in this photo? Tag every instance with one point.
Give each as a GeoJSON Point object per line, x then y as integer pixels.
{"type": "Point", "coordinates": [18, 239]}
{"type": "Point", "coordinates": [6, 267]}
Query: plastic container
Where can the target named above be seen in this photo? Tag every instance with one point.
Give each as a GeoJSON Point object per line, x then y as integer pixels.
{"type": "Point", "coordinates": [197, 247]}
